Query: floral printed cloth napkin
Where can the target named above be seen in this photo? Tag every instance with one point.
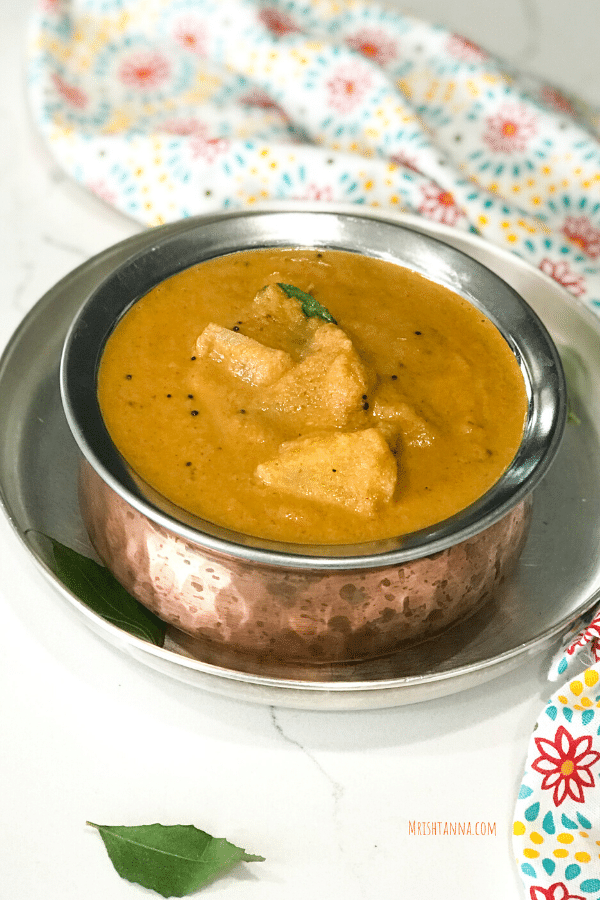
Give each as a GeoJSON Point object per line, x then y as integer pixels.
{"type": "Point", "coordinates": [172, 108]}
{"type": "Point", "coordinates": [556, 831]}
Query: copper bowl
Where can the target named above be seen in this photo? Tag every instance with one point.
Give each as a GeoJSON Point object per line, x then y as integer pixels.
{"type": "Point", "coordinates": [308, 603]}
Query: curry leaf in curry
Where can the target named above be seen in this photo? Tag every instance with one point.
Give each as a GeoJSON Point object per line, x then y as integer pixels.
{"type": "Point", "coordinates": [101, 591]}
{"type": "Point", "coordinates": [310, 305]}
{"type": "Point", "coordinates": [172, 860]}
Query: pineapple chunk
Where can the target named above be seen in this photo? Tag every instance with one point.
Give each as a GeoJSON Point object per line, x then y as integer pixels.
{"type": "Point", "coordinates": [356, 470]}
{"type": "Point", "coordinates": [242, 356]}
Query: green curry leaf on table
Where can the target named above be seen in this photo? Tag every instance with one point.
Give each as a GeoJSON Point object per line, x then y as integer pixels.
{"type": "Point", "coordinates": [173, 860]}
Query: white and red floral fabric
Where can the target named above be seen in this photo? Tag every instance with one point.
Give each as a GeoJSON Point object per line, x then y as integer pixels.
{"type": "Point", "coordinates": [172, 108]}
{"type": "Point", "coordinates": [556, 830]}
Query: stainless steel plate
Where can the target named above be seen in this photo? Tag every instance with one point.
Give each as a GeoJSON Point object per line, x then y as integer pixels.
{"type": "Point", "coordinates": [558, 578]}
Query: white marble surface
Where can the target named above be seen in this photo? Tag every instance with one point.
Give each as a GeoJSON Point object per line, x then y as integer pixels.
{"type": "Point", "coordinates": [88, 733]}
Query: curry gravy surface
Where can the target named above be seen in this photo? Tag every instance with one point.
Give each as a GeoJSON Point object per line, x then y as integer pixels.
{"type": "Point", "coordinates": [423, 403]}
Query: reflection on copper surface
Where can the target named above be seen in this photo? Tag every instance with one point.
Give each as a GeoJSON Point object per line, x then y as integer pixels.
{"type": "Point", "coordinates": [295, 614]}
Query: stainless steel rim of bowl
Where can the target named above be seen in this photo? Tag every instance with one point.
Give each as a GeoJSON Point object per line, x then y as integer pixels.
{"type": "Point", "coordinates": [176, 249]}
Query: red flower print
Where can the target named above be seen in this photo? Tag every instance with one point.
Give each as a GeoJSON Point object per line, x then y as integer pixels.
{"type": "Point", "coordinates": [100, 189]}
{"type": "Point", "coordinates": [182, 127]}
{"type": "Point", "coordinates": [461, 48]}
{"type": "Point", "coordinates": [439, 205]}
{"type": "Point", "coordinates": [556, 891]}
{"type": "Point", "coordinates": [374, 44]}
{"type": "Point", "coordinates": [190, 34]}
{"type": "Point", "coordinates": [201, 145]}
{"type": "Point", "coordinates": [208, 148]}
{"type": "Point", "coordinates": [348, 87]}
{"type": "Point", "coordinates": [277, 22]}
{"type": "Point", "coordinates": [402, 159]}
{"type": "Point", "coordinates": [144, 69]}
{"type": "Point", "coordinates": [582, 232]}
{"type": "Point", "coordinates": [557, 100]}
{"type": "Point", "coordinates": [565, 764]}
{"type": "Point", "coordinates": [561, 272]}
{"type": "Point", "coordinates": [314, 192]}
{"type": "Point", "coordinates": [260, 99]}
{"type": "Point", "coordinates": [510, 128]}
{"type": "Point", "coordinates": [74, 96]}
{"type": "Point", "coordinates": [590, 634]}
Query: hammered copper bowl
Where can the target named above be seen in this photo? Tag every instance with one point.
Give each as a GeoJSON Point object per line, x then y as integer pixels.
{"type": "Point", "coordinates": [306, 603]}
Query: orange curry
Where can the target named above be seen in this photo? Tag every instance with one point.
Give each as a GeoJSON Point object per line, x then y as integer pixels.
{"type": "Point", "coordinates": [387, 405]}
